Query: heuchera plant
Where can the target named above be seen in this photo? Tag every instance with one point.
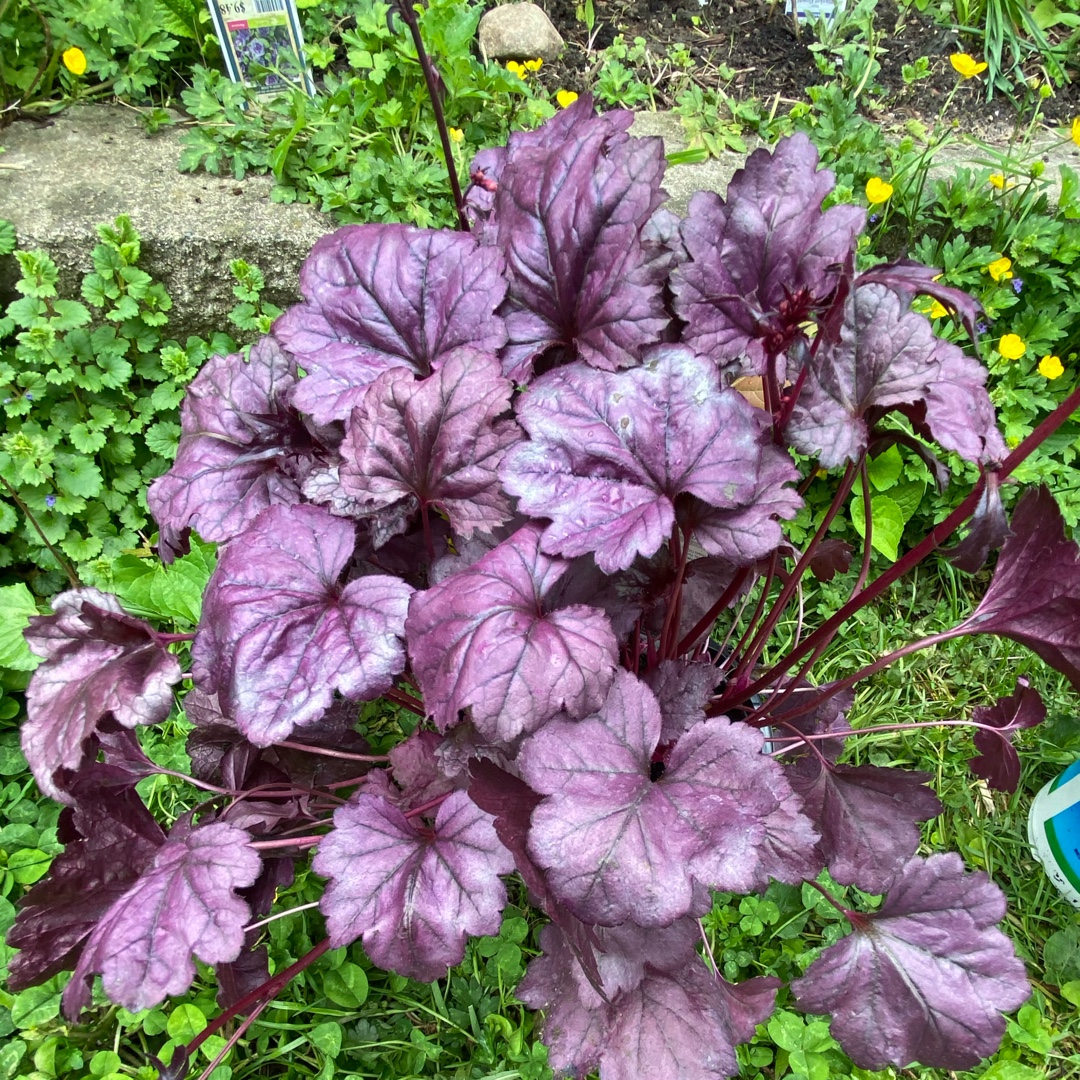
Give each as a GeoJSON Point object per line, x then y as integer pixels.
{"type": "Point", "coordinates": [512, 479]}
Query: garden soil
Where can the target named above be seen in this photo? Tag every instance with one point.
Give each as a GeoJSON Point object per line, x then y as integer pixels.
{"type": "Point", "coordinates": [756, 40]}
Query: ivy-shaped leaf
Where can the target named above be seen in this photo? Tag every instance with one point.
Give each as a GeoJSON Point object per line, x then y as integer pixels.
{"type": "Point", "coordinates": [492, 639]}
{"type": "Point", "coordinates": [280, 633]}
{"type": "Point", "coordinates": [183, 905]}
{"type": "Point", "coordinates": [413, 892]}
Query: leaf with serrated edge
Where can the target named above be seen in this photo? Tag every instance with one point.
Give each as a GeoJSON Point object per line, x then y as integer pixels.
{"type": "Point", "coordinates": [97, 660]}
{"type": "Point", "coordinates": [383, 296]}
{"type": "Point", "coordinates": [279, 633]}
{"type": "Point", "coordinates": [413, 892]}
{"type": "Point", "coordinates": [184, 905]}
{"type": "Point", "coordinates": [924, 978]}
{"type": "Point", "coordinates": [434, 444]}
{"type": "Point", "coordinates": [609, 454]}
{"type": "Point", "coordinates": [997, 761]}
{"type": "Point", "coordinates": [618, 845]}
{"type": "Point", "coordinates": [243, 446]}
{"type": "Point", "coordinates": [485, 639]}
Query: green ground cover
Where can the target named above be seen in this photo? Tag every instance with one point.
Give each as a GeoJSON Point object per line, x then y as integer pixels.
{"type": "Point", "coordinates": [82, 467]}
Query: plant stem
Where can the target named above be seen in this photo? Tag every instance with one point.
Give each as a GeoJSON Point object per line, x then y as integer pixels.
{"type": "Point", "coordinates": [261, 995]}
{"type": "Point", "coordinates": [324, 752]}
{"type": "Point", "coordinates": [704, 624]}
{"type": "Point", "coordinates": [281, 915]}
{"type": "Point", "coordinates": [274, 845]}
{"type": "Point", "coordinates": [69, 570]}
{"type": "Point", "coordinates": [407, 12]}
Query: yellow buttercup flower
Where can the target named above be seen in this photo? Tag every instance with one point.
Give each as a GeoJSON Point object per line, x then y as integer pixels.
{"type": "Point", "coordinates": [877, 190]}
{"type": "Point", "coordinates": [516, 69]}
{"type": "Point", "coordinates": [998, 181]}
{"type": "Point", "coordinates": [456, 135]}
{"type": "Point", "coordinates": [534, 65]}
{"type": "Point", "coordinates": [565, 98]}
{"type": "Point", "coordinates": [1050, 367]}
{"type": "Point", "coordinates": [1075, 131]}
{"type": "Point", "coordinates": [1012, 346]}
{"type": "Point", "coordinates": [1000, 269]}
{"type": "Point", "coordinates": [967, 67]}
{"type": "Point", "coordinates": [938, 310]}
{"type": "Point", "coordinates": [74, 60]}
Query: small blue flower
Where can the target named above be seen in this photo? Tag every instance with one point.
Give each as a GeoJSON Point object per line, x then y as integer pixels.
{"type": "Point", "coordinates": [50, 501]}
{"type": "Point", "coordinates": [1017, 284]}
{"type": "Point", "coordinates": [981, 327]}
{"type": "Point", "coordinates": [874, 218]}
{"type": "Point", "coordinates": [29, 397]}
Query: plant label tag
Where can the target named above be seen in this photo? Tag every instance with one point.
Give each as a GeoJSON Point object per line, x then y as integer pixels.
{"type": "Point", "coordinates": [813, 9]}
{"type": "Point", "coordinates": [1054, 832]}
{"type": "Point", "coordinates": [262, 44]}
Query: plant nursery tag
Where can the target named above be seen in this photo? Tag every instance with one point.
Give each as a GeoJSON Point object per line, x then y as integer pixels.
{"type": "Point", "coordinates": [814, 9]}
{"type": "Point", "coordinates": [1054, 831]}
{"type": "Point", "coordinates": [262, 44]}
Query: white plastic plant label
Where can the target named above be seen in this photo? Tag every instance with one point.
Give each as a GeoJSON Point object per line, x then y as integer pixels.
{"type": "Point", "coordinates": [1054, 832]}
{"type": "Point", "coordinates": [262, 44]}
{"type": "Point", "coordinates": [814, 9]}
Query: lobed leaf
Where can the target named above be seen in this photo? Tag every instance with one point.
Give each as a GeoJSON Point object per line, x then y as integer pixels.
{"type": "Point", "coordinates": [182, 905]}
{"type": "Point", "coordinates": [610, 453]}
{"type": "Point", "coordinates": [412, 892]}
{"type": "Point", "coordinates": [435, 445]}
{"type": "Point", "coordinates": [997, 761]}
{"type": "Point", "coordinates": [924, 978]}
{"type": "Point", "coordinates": [489, 639]}
{"type": "Point", "coordinates": [383, 296]}
{"type": "Point", "coordinates": [280, 633]}
{"type": "Point", "coordinates": [243, 447]}
{"type": "Point", "coordinates": [98, 661]}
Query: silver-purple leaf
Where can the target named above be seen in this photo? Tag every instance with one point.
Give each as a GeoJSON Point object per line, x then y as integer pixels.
{"type": "Point", "coordinates": [763, 260]}
{"type": "Point", "coordinates": [887, 356]}
{"type": "Point", "coordinates": [383, 296]}
{"type": "Point", "coordinates": [682, 689]}
{"type": "Point", "coordinates": [242, 448]}
{"type": "Point", "coordinates": [413, 892]}
{"type": "Point", "coordinates": [432, 445]}
{"type": "Point", "coordinates": [280, 633]}
{"type": "Point", "coordinates": [867, 816]}
{"type": "Point", "coordinates": [664, 1014]}
{"type": "Point", "coordinates": [609, 453]}
{"type": "Point", "coordinates": [1034, 597]}
{"type": "Point", "coordinates": [924, 978]}
{"type": "Point", "coordinates": [487, 639]}
{"type": "Point", "coordinates": [98, 660]}
{"type": "Point", "coordinates": [183, 905]}
{"type": "Point", "coordinates": [572, 202]}
{"type": "Point", "coordinates": [626, 838]}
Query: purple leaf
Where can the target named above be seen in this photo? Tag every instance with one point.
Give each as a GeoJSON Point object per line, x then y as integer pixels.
{"type": "Point", "coordinates": [867, 817]}
{"type": "Point", "coordinates": [682, 689]}
{"type": "Point", "coordinates": [685, 1026]}
{"type": "Point", "coordinates": [887, 356]}
{"type": "Point", "coordinates": [279, 633]}
{"type": "Point", "coordinates": [436, 444]}
{"type": "Point", "coordinates": [997, 761]}
{"type": "Point", "coordinates": [184, 904]}
{"type": "Point", "coordinates": [623, 837]}
{"type": "Point", "coordinates": [383, 296]}
{"type": "Point", "coordinates": [988, 528]}
{"type": "Point", "coordinates": [416, 769]}
{"type": "Point", "coordinates": [926, 977]}
{"type": "Point", "coordinates": [831, 558]}
{"type": "Point", "coordinates": [764, 260]}
{"type": "Point", "coordinates": [609, 454]}
{"type": "Point", "coordinates": [488, 640]}
{"type": "Point", "coordinates": [799, 710]}
{"type": "Point", "coordinates": [98, 661]}
{"type": "Point", "coordinates": [910, 279]}
{"type": "Point", "coordinates": [664, 1015]}
{"type": "Point", "coordinates": [243, 447]}
{"type": "Point", "coordinates": [1034, 597]}
{"type": "Point", "coordinates": [572, 203]}
{"type": "Point", "coordinates": [414, 893]}
{"type": "Point", "coordinates": [113, 839]}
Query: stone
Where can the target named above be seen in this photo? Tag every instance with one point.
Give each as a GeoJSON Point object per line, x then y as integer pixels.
{"type": "Point", "coordinates": [519, 32]}
{"type": "Point", "coordinates": [89, 164]}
